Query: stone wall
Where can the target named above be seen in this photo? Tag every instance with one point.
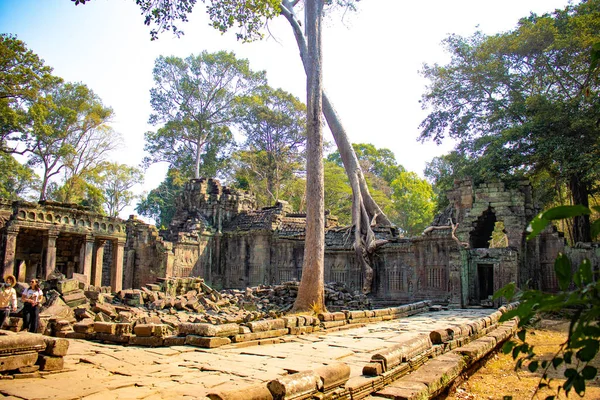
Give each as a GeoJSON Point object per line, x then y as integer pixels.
{"type": "Point", "coordinates": [218, 235]}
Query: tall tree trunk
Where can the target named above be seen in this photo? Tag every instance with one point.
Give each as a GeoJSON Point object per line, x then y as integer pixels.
{"type": "Point", "coordinates": [311, 293]}
{"type": "Point", "coordinates": [581, 225]}
{"type": "Point", "coordinates": [365, 211]}
{"type": "Point", "coordinates": [197, 160]}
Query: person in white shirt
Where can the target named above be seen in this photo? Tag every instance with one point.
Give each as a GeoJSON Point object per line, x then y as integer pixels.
{"type": "Point", "coordinates": [31, 299]}
{"type": "Point", "coordinates": [8, 298]}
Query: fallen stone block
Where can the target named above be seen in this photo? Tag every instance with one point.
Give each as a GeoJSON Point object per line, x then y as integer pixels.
{"type": "Point", "coordinates": [151, 341]}
{"type": "Point", "coordinates": [259, 335]}
{"type": "Point", "coordinates": [75, 298]}
{"type": "Point", "coordinates": [333, 375]}
{"type": "Point", "coordinates": [55, 346]}
{"type": "Point", "coordinates": [105, 327]}
{"type": "Point", "coordinates": [393, 356]}
{"type": "Point", "coordinates": [174, 340]}
{"type": "Point", "coordinates": [202, 329]}
{"type": "Point", "coordinates": [373, 369]}
{"type": "Point", "coordinates": [404, 390]}
{"type": "Point", "coordinates": [440, 336]}
{"type": "Point", "coordinates": [123, 329]}
{"type": "Point", "coordinates": [206, 342]}
{"type": "Point", "coordinates": [361, 386]}
{"type": "Point", "coordinates": [255, 392]}
{"type": "Point", "coordinates": [332, 324]}
{"type": "Point", "coordinates": [50, 363]}
{"type": "Point", "coordinates": [477, 349]}
{"type": "Point", "coordinates": [112, 338]}
{"type": "Point", "coordinates": [438, 372]}
{"type": "Point", "coordinates": [147, 330]}
{"type": "Point", "coordinates": [355, 314]}
{"type": "Point", "coordinates": [266, 325]}
{"type": "Point", "coordinates": [301, 330]}
{"type": "Point", "coordinates": [84, 326]}
{"type": "Point", "coordinates": [17, 361]}
{"type": "Point", "coordinates": [66, 286]}
{"type": "Point", "coordinates": [300, 385]}
{"type": "Point", "coordinates": [290, 321]}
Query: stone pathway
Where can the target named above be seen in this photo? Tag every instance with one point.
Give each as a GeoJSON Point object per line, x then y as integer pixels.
{"type": "Point", "coordinates": [103, 372]}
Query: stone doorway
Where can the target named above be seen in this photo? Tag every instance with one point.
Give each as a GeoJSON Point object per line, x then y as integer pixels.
{"type": "Point", "coordinates": [485, 275]}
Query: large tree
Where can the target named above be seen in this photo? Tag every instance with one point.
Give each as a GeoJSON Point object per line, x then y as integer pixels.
{"type": "Point", "coordinates": [66, 129]}
{"type": "Point", "coordinates": [197, 100]}
{"type": "Point", "coordinates": [116, 182]}
{"type": "Point", "coordinates": [249, 19]}
{"type": "Point", "coordinates": [23, 77]}
{"type": "Point", "coordinates": [275, 130]}
{"type": "Point", "coordinates": [525, 101]}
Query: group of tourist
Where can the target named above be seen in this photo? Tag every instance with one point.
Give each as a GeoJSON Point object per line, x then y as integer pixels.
{"type": "Point", "coordinates": [31, 298]}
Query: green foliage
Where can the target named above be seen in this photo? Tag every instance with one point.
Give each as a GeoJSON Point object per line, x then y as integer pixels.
{"type": "Point", "coordinates": [520, 102]}
{"type": "Point", "coordinates": [338, 193]}
{"type": "Point", "coordinates": [17, 179]}
{"type": "Point", "coordinates": [197, 100]}
{"type": "Point", "coordinates": [116, 182]}
{"type": "Point", "coordinates": [24, 77]}
{"type": "Point", "coordinates": [413, 202]}
{"type": "Point", "coordinates": [67, 129]}
{"type": "Point", "coordinates": [272, 158]}
{"type": "Point", "coordinates": [159, 203]}
{"type": "Point", "coordinates": [579, 293]}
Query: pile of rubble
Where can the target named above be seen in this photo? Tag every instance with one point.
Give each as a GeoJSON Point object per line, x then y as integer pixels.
{"type": "Point", "coordinates": [188, 311]}
{"type": "Point", "coordinates": [71, 305]}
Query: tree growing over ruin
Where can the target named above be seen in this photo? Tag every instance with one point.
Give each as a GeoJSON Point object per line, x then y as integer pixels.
{"type": "Point", "coordinates": [525, 101]}
{"type": "Point", "coordinates": [197, 100]}
{"type": "Point", "coordinates": [250, 19]}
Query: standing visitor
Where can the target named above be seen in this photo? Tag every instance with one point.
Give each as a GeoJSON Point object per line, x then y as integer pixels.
{"type": "Point", "coordinates": [8, 298]}
{"type": "Point", "coordinates": [31, 300]}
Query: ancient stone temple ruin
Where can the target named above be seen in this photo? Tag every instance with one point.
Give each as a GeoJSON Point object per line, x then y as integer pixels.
{"type": "Point", "coordinates": [218, 234]}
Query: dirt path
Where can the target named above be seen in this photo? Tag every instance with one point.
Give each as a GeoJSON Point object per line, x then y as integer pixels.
{"type": "Point", "coordinates": [497, 378]}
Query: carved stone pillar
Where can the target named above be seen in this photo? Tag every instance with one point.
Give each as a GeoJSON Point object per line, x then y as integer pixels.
{"type": "Point", "coordinates": [10, 251]}
{"type": "Point", "coordinates": [87, 253]}
{"type": "Point", "coordinates": [98, 261]}
{"type": "Point", "coordinates": [50, 262]}
{"type": "Point", "coordinates": [116, 272]}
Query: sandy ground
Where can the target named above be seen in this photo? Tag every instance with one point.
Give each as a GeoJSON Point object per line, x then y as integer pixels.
{"type": "Point", "coordinates": [497, 379]}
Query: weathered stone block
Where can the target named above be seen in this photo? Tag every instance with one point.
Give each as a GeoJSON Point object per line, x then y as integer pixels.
{"type": "Point", "coordinates": [301, 330]}
{"type": "Point", "coordinates": [332, 324]}
{"type": "Point", "coordinates": [266, 325]}
{"type": "Point", "coordinates": [259, 335]}
{"type": "Point", "coordinates": [50, 363]}
{"type": "Point", "coordinates": [373, 369]}
{"type": "Point", "coordinates": [203, 329]}
{"type": "Point", "coordinates": [254, 392]}
{"type": "Point", "coordinates": [8, 363]}
{"type": "Point", "coordinates": [56, 347]}
{"type": "Point", "coordinates": [393, 356]}
{"type": "Point", "coordinates": [300, 385]}
{"type": "Point", "coordinates": [152, 341]}
{"type": "Point", "coordinates": [174, 341]}
{"type": "Point", "coordinates": [66, 286]}
{"type": "Point", "coordinates": [105, 327]}
{"type": "Point", "coordinates": [405, 390]}
{"type": "Point", "coordinates": [206, 342]}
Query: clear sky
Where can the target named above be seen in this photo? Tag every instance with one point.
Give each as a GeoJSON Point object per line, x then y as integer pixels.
{"type": "Point", "coordinates": [371, 66]}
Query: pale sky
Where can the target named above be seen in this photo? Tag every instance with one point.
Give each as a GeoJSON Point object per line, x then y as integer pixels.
{"type": "Point", "coordinates": [371, 64]}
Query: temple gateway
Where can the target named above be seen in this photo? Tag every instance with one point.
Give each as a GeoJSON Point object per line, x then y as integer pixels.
{"type": "Point", "coordinates": [218, 234]}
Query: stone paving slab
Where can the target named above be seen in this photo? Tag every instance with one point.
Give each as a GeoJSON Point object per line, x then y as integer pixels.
{"type": "Point", "coordinates": [104, 371]}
